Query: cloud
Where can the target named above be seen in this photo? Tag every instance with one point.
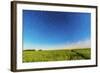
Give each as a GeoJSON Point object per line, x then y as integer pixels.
{"type": "Point", "coordinates": [80, 44]}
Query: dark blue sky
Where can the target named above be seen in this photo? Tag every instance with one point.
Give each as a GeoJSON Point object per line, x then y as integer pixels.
{"type": "Point", "coordinates": [52, 28]}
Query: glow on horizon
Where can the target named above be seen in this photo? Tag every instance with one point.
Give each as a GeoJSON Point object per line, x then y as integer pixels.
{"type": "Point", "coordinates": [75, 45]}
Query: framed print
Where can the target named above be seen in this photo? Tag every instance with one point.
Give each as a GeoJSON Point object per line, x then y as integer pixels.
{"type": "Point", "coordinates": [47, 36]}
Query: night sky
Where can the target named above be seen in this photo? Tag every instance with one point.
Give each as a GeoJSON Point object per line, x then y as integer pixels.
{"type": "Point", "coordinates": [49, 28]}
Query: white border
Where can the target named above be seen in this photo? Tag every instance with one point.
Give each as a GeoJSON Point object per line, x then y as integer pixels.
{"type": "Point", "coordinates": [34, 65]}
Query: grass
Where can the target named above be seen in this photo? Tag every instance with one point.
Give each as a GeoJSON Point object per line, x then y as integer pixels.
{"type": "Point", "coordinates": [56, 55]}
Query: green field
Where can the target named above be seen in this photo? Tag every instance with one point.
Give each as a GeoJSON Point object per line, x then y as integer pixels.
{"type": "Point", "coordinates": [56, 55]}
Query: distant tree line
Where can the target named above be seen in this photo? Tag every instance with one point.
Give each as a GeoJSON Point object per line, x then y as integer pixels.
{"type": "Point", "coordinates": [33, 50]}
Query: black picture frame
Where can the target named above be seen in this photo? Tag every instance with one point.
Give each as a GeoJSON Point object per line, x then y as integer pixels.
{"type": "Point", "coordinates": [14, 34]}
